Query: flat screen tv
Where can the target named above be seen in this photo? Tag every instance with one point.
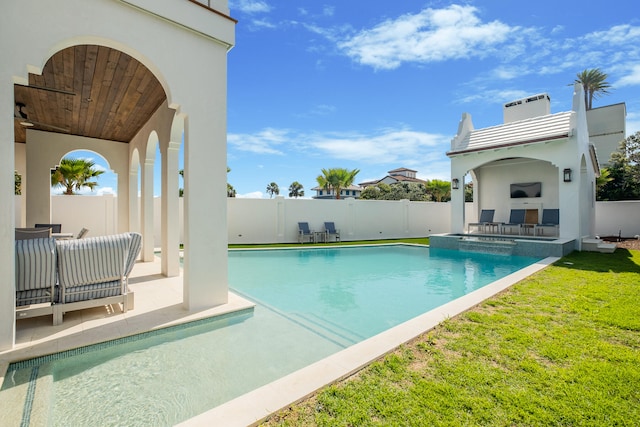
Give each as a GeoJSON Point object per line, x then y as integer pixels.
{"type": "Point", "coordinates": [526, 189]}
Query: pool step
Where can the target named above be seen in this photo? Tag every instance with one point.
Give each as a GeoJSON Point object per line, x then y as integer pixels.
{"type": "Point", "coordinates": [27, 397]}
{"type": "Point", "coordinates": [332, 331]}
{"type": "Point", "coordinates": [598, 245]}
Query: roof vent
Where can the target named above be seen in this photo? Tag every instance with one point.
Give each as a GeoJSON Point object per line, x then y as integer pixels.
{"type": "Point", "coordinates": [527, 108]}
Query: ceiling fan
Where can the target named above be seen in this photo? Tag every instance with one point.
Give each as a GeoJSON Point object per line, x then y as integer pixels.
{"type": "Point", "coordinates": [21, 115]}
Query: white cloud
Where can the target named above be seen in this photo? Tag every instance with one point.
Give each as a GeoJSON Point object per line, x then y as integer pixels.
{"type": "Point", "coordinates": [250, 6]}
{"type": "Point", "coordinates": [392, 145]}
{"type": "Point", "coordinates": [630, 79]}
{"type": "Point", "coordinates": [429, 36]}
{"type": "Point", "coordinates": [252, 195]}
{"type": "Point", "coordinates": [264, 142]}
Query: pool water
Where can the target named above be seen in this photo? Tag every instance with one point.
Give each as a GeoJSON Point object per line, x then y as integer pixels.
{"type": "Point", "coordinates": [311, 303]}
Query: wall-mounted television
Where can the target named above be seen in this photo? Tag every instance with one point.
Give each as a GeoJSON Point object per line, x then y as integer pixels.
{"type": "Point", "coordinates": [526, 189]}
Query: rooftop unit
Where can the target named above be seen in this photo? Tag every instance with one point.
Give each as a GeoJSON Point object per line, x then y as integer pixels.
{"type": "Point", "coordinates": [527, 108]}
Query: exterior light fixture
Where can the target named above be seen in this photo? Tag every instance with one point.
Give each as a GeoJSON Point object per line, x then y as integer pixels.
{"type": "Point", "coordinates": [455, 183]}
{"type": "Point", "coordinates": [567, 175]}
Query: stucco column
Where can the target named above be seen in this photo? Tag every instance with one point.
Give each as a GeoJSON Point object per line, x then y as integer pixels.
{"type": "Point", "coordinates": [134, 200]}
{"type": "Point", "coordinates": [205, 200]}
{"type": "Point", "coordinates": [457, 201]}
{"type": "Point", "coordinates": [38, 191]}
{"type": "Point", "coordinates": [170, 222]}
{"type": "Point", "coordinates": [7, 213]}
{"type": "Point", "coordinates": [147, 211]}
{"type": "Point", "coordinates": [123, 198]}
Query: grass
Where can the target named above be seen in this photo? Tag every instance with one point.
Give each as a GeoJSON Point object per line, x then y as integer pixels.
{"type": "Point", "coordinates": [560, 348]}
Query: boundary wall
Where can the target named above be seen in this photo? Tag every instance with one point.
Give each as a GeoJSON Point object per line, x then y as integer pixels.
{"type": "Point", "coordinates": [275, 220]}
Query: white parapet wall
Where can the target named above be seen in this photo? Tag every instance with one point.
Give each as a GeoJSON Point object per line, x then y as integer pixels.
{"type": "Point", "coordinates": [275, 220]}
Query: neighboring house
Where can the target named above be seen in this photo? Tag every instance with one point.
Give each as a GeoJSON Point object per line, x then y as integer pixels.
{"type": "Point", "coordinates": [395, 176]}
{"type": "Point", "coordinates": [552, 152]}
{"type": "Point", "coordinates": [353, 191]}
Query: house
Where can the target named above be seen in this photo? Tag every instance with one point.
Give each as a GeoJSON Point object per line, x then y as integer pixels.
{"type": "Point", "coordinates": [352, 191]}
{"type": "Point", "coordinates": [553, 152]}
{"type": "Point", "coordinates": [395, 176]}
{"type": "Point", "coordinates": [122, 79]}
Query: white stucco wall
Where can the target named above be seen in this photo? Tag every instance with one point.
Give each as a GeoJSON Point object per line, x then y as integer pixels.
{"type": "Point", "coordinates": [263, 220]}
{"type": "Point", "coordinates": [495, 180]}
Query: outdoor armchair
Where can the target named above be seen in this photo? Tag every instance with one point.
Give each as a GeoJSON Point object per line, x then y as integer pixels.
{"type": "Point", "coordinates": [330, 230]}
{"type": "Point", "coordinates": [550, 219]}
{"type": "Point", "coordinates": [516, 220]}
{"type": "Point", "coordinates": [486, 219]}
{"type": "Point", "coordinates": [304, 232]}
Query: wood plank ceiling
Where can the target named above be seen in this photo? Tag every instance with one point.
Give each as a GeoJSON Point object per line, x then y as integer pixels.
{"type": "Point", "coordinates": [91, 91]}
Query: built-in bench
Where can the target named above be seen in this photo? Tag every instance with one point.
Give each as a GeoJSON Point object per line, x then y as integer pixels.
{"type": "Point", "coordinates": [58, 276]}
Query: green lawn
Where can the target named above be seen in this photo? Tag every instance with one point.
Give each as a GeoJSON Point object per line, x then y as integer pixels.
{"type": "Point", "coordinates": [561, 348]}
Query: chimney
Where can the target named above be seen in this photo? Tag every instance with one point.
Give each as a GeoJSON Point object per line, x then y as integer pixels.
{"type": "Point", "coordinates": [527, 108]}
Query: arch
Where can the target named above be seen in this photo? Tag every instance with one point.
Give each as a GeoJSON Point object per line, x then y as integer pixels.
{"type": "Point", "coordinates": [107, 42]}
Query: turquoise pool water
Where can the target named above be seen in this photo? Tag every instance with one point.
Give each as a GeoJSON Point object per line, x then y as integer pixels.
{"type": "Point", "coordinates": [310, 303]}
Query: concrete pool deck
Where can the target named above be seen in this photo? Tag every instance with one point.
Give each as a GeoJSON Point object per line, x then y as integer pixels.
{"type": "Point", "coordinates": [158, 304]}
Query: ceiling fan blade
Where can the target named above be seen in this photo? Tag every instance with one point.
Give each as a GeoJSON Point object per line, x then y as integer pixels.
{"type": "Point", "coordinates": [29, 123]}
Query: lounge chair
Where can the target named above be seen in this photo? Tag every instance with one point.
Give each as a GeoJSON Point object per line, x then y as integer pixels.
{"type": "Point", "coordinates": [305, 233]}
{"type": "Point", "coordinates": [32, 233]}
{"type": "Point", "coordinates": [36, 276]}
{"type": "Point", "coordinates": [330, 230]}
{"type": "Point", "coordinates": [516, 219]}
{"type": "Point", "coordinates": [486, 220]}
{"type": "Point", "coordinates": [55, 228]}
{"type": "Point", "coordinates": [550, 219]}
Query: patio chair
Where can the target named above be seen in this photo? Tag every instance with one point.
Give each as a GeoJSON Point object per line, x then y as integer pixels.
{"type": "Point", "coordinates": [35, 277]}
{"type": "Point", "coordinates": [304, 232]}
{"type": "Point", "coordinates": [82, 233]}
{"type": "Point", "coordinates": [32, 233]}
{"type": "Point", "coordinates": [55, 228]}
{"type": "Point", "coordinates": [330, 230]}
{"type": "Point", "coordinates": [516, 219]}
{"type": "Point", "coordinates": [550, 219]}
{"type": "Point", "coordinates": [486, 220]}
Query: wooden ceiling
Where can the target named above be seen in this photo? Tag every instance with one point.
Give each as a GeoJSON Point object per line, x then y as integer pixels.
{"type": "Point", "coordinates": [91, 91]}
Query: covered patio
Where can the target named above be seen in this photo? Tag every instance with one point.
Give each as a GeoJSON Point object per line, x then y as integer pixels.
{"type": "Point", "coordinates": [533, 149]}
{"type": "Point", "coordinates": [121, 79]}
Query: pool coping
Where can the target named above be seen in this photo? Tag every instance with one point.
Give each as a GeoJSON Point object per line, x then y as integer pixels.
{"type": "Point", "coordinates": [256, 405]}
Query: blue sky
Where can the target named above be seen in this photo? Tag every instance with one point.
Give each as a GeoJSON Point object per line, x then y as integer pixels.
{"type": "Point", "coordinates": [376, 85]}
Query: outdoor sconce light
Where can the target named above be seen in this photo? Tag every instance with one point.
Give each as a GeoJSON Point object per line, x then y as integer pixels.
{"type": "Point", "coordinates": [455, 184]}
{"type": "Point", "coordinates": [567, 175]}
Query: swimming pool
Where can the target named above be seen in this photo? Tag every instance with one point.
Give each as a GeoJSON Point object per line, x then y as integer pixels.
{"type": "Point", "coordinates": [310, 303]}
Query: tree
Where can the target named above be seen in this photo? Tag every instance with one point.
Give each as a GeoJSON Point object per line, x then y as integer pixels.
{"type": "Point", "coordinates": [73, 174]}
{"type": "Point", "coordinates": [439, 190]}
{"type": "Point", "coordinates": [336, 179]}
{"type": "Point", "coordinates": [231, 192]}
{"type": "Point", "coordinates": [296, 190]}
{"type": "Point", "coordinates": [273, 189]}
{"type": "Point", "coordinates": [594, 83]}
{"type": "Point", "coordinates": [375, 192]}
{"type": "Point", "coordinates": [18, 182]}
{"type": "Point", "coordinates": [623, 174]}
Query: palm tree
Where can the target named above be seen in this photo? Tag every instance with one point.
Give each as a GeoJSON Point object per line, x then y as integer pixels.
{"type": "Point", "coordinates": [439, 190]}
{"type": "Point", "coordinates": [336, 179]}
{"type": "Point", "coordinates": [273, 189]}
{"type": "Point", "coordinates": [73, 174]}
{"type": "Point", "coordinates": [296, 190]}
{"type": "Point", "coordinates": [594, 84]}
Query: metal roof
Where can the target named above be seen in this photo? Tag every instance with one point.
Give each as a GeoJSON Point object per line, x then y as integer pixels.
{"type": "Point", "coordinates": [537, 129]}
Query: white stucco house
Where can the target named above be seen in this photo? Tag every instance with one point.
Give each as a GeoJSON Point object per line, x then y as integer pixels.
{"type": "Point", "coordinates": [553, 152]}
{"type": "Point", "coordinates": [120, 78]}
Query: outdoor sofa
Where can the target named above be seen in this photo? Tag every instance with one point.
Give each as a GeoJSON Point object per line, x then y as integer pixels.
{"type": "Point", "coordinates": [58, 276]}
